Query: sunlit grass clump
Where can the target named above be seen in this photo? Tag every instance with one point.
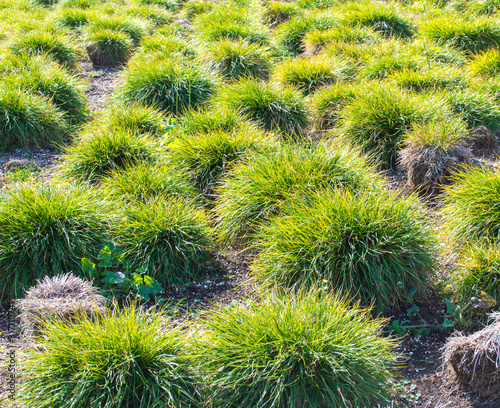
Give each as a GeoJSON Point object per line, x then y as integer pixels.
{"type": "Point", "coordinates": [146, 181]}
{"type": "Point", "coordinates": [309, 74]}
{"type": "Point", "coordinates": [205, 121]}
{"type": "Point", "coordinates": [486, 63]}
{"type": "Point", "coordinates": [100, 151]}
{"type": "Point", "coordinates": [478, 271]}
{"type": "Point", "coordinates": [46, 230]}
{"type": "Point", "coordinates": [296, 350]}
{"type": "Point", "coordinates": [429, 79]}
{"type": "Point", "coordinates": [168, 85]}
{"type": "Point", "coordinates": [471, 209]}
{"type": "Point", "coordinates": [479, 34]}
{"type": "Point", "coordinates": [370, 246]}
{"type": "Point", "coordinates": [206, 158]}
{"type": "Point", "coordinates": [124, 357]}
{"type": "Point", "coordinates": [42, 42]}
{"type": "Point", "coordinates": [41, 76]}
{"type": "Point", "coordinates": [380, 17]}
{"type": "Point", "coordinates": [137, 119]}
{"type": "Point", "coordinates": [328, 102]}
{"type": "Point", "coordinates": [378, 118]}
{"type": "Point", "coordinates": [28, 120]}
{"type": "Point", "coordinates": [169, 236]}
{"type": "Point", "coordinates": [108, 47]}
{"type": "Point", "coordinates": [71, 18]}
{"type": "Point", "coordinates": [280, 109]}
{"type": "Point", "coordinates": [477, 108]}
{"type": "Point", "coordinates": [236, 59]}
{"type": "Point", "coordinates": [134, 29]}
{"type": "Point", "coordinates": [277, 12]}
{"type": "Point", "coordinates": [259, 187]}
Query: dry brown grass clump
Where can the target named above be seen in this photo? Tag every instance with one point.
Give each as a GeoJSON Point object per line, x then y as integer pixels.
{"type": "Point", "coordinates": [61, 297]}
{"type": "Point", "coordinates": [475, 359]}
{"type": "Point", "coordinates": [434, 151]}
{"type": "Point", "coordinates": [482, 138]}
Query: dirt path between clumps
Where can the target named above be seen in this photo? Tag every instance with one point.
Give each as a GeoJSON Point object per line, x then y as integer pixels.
{"type": "Point", "coordinates": [102, 81]}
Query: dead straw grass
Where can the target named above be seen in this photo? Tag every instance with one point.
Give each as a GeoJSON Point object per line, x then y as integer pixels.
{"type": "Point", "coordinates": [475, 359]}
{"type": "Point", "coordinates": [60, 297]}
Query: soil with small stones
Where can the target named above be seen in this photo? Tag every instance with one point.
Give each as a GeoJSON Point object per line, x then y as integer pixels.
{"type": "Point", "coordinates": [102, 81]}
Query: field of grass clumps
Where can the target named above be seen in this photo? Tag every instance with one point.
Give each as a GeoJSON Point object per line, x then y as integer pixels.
{"type": "Point", "coordinates": [262, 199]}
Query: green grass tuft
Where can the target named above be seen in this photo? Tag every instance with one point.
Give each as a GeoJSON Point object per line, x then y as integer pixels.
{"type": "Point", "coordinates": [40, 42]}
{"type": "Point", "coordinates": [270, 107]}
{"type": "Point", "coordinates": [169, 236]}
{"type": "Point", "coordinates": [108, 47]}
{"type": "Point", "coordinates": [145, 181]}
{"type": "Point", "coordinates": [206, 158]}
{"type": "Point", "coordinates": [300, 350]}
{"type": "Point", "coordinates": [478, 109]}
{"type": "Point", "coordinates": [478, 271]}
{"type": "Point", "coordinates": [372, 247]}
{"type": "Point", "coordinates": [28, 120]}
{"type": "Point", "coordinates": [257, 189]}
{"type": "Point", "coordinates": [46, 230]}
{"type": "Point", "coordinates": [100, 151]}
{"type": "Point", "coordinates": [309, 74]}
{"type": "Point", "coordinates": [236, 59]}
{"type": "Point", "coordinates": [121, 358]}
{"type": "Point", "coordinates": [474, 36]}
{"type": "Point", "coordinates": [169, 85]}
{"type": "Point", "coordinates": [471, 206]}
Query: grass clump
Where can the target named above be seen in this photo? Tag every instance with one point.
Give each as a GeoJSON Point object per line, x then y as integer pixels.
{"type": "Point", "coordinates": [290, 35]}
{"type": "Point", "coordinates": [236, 59]}
{"type": "Point", "coordinates": [43, 77]}
{"type": "Point", "coordinates": [300, 350]}
{"type": "Point", "coordinates": [277, 12]}
{"type": "Point", "coordinates": [309, 74]}
{"type": "Point", "coordinates": [218, 25]}
{"type": "Point", "coordinates": [270, 107]}
{"type": "Point", "coordinates": [257, 189]}
{"type": "Point", "coordinates": [40, 42]}
{"type": "Point", "coordinates": [46, 230]}
{"type": "Point", "coordinates": [108, 47]}
{"type": "Point", "coordinates": [434, 151]}
{"type": "Point", "coordinates": [478, 271]}
{"type": "Point", "coordinates": [380, 17]}
{"type": "Point", "coordinates": [477, 108]}
{"type": "Point", "coordinates": [124, 358]}
{"type": "Point", "coordinates": [378, 118]}
{"type": "Point", "coordinates": [193, 8]}
{"type": "Point", "coordinates": [28, 120]}
{"type": "Point", "coordinates": [138, 119]}
{"type": "Point", "coordinates": [328, 102]}
{"type": "Point", "coordinates": [211, 120]}
{"type": "Point", "coordinates": [135, 30]}
{"type": "Point", "coordinates": [71, 18]}
{"type": "Point", "coordinates": [472, 36]}
{"type": "Point", "coordinates": [317, 40]}
{"type": "Point", "coordinates": [169, 236]}
{"type": "Point", "coordinates": [169, 85]}
{"type": "Point", "coordinates": [486, 63]}
{"type": "Point", "coordinates": [168, 4]}
{"type": "Point", "coordinates": [207, 158]}
{"type": "Point", "coordinates": [100, 151]}
{"type": "Point", "coordinates": [471, 206]}
{"type": "Point", "coordinates": [370, 246]}
{"type": "Point", "coordinates": [144, 181]}
{"type": "Point", "coordinates": [429, 79]}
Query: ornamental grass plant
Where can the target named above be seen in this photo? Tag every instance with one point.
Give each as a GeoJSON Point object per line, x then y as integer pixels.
{"type": "Point", "coordinates": [99, 151]}
{"type": "Point", "coordinates": [108, 47]}
{"type": "Point", "coordinates": [45, 230]}
{"type": "Point", "coordinates": [123, 357]}
{"type": "Point", "coordinates": [297, 349]}
{"type": "Point", "coordinates": [371, 246]}
{"type": "Point", "coordinates": [258, 188]}
{"type": "Point", "coordinates": [169, 85]}
{"type": "Point", "coordinates": [273, 108]}
{"type": "Point", "coordinates": [169, 236]}
{"type": "Point", "coordinates": [471, 206]}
